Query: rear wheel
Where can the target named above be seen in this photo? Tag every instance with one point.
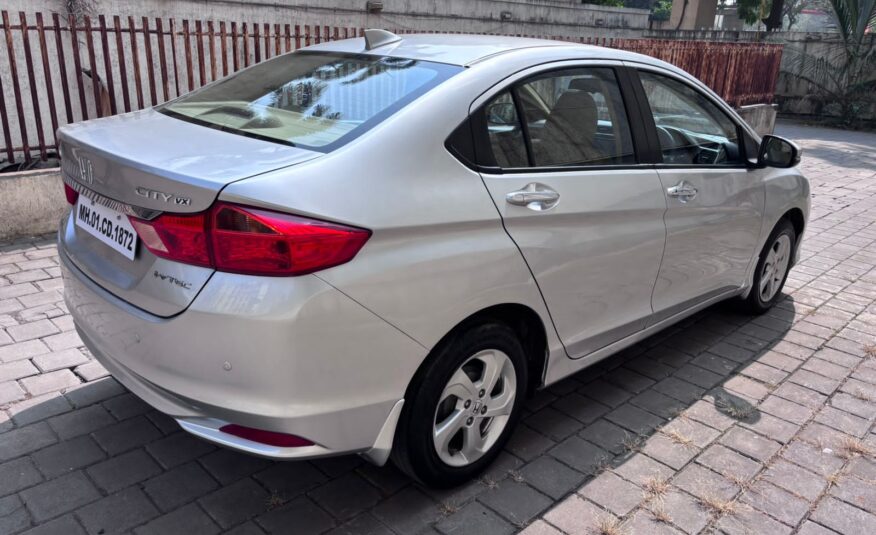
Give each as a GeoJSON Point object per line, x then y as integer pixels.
{"type": "Point", "coordinates": [772, 268]}
{"type": "Point", "coordinates": [462, 406]}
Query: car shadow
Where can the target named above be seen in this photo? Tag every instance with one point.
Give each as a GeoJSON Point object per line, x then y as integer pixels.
{"type": "Point", "coordinates": [598, 419]}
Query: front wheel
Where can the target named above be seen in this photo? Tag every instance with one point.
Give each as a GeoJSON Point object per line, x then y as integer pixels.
{"type": "Point", "coordinates": [772, 268]}
{"type": "Point", "coordinates": [462, 406]}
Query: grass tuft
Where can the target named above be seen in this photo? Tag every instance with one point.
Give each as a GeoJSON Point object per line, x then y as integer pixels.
{"type": "Point", "coordinates": [660, 515]}
{"type": "Point", "coordinates": [853, 447]}
{"type": "Point", "coordinates": [680, 438]}
{"type": "Point", "coordinates": [870, 350]}
{"type": "Point", "coordinates": [609, 525]}
{"type": "Point", "coordinates": [718, 506]}
{"type": "Point", "coordinates": [655, 487]}
{"type": "Point", "coordinates": [633, 443]}
{"type": "Point", "coordinates": [862, 394]}
{"type": "Point", "coordinates": [275, 500]}
{"type": "Point", "coordinates": [447, 508]}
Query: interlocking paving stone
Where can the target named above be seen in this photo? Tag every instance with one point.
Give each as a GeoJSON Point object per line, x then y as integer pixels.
{"type": "Point", "coordinates": [579, 454]}
{"type": "Point", "coordinates": [683, 511]}
{"type": "Point", "coordinates": [613, 493]}
{"type": "Point", "coordinates": [577, 516]}
{"type": "Point", "coordinates": [776, 502]}
{"type": "Point", "coordinates": [518, 503]}
{"type": "Point", "coordinates": [800, 386]}
{"type": "Point", "coordinates": [796, 479]}
{"type": "Point", "coordinates": [346, 496]}
{"type": "Point", "coordinates": [24, 440]}
{"type": "Point", "coordinates": [18, 474]}
{"type": "Point", "coordinates": [843, 517]}
{"type": "Point", "coordinates": [474, 519]}
{"type": "Point", "coordinates": [123, 470]}
{"type": "Point", "coordinates": [749, 520]}
{"type": "Point", "coordinates": [67, 456]}
{"type": "Point", "coordinates": [234, 503]}
{"type": "Point", "coordinates": [189, 519]}
{"type": "Point", "coordinates": [751, 444]}
{"type": "Point", "coordinates": [551, 477]}
{"type": "Point", "coordinates": [118, 512]}
{"type": "Point", "coordinates": [60, 495]}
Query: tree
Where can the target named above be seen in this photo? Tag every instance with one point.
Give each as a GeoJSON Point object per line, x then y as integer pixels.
{"type": "Point", "coordinates": [662, 10]}
{"type": "Point", "coordinates": [791, 10]}
{"type": "Point", "coordinates": [846, 75]}
{"type": "Point", "coordinates": [752, 11]}
{"type": "Point", "coordinates": [776, 11]}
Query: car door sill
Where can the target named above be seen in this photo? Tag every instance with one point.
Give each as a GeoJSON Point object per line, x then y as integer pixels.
{"type": "Point", "coordinates": [569, 366]}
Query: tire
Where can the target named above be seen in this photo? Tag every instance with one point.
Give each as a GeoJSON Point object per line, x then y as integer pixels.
{"type": "Point", "coordinates": [782, 243]}
{"type": "Point", "coordinates": [429, 407]}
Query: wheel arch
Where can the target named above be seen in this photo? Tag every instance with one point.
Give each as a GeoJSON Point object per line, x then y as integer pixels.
{"type": "Point", "coordinates": [525, 321]}
{"type": "Point", "coordinates": [797, 219]}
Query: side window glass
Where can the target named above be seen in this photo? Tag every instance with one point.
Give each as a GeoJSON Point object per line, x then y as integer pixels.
{"type": "Point", "coordinates": [504, 131]}
{"type": "Point", "coordinates": [576, 117]}
{"type": "Point", "coordinates": [691, 129]}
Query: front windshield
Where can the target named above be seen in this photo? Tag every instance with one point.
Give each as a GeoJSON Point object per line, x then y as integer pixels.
{"type": "Point", "coordinates": [312, 100]}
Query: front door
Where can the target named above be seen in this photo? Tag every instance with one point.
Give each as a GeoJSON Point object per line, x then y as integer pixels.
{"type": "Point", "coordinates": [714, 200]}
{"type": "Point", "coordinates": [586, 215]}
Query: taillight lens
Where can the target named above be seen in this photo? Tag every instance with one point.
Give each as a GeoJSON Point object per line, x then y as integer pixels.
{"type": "Point", "coordinates": [177, 237]}
{"type": "Point", "coordinates": [240, 239]}
{"type": "Point", "coordinates": [71, 194]}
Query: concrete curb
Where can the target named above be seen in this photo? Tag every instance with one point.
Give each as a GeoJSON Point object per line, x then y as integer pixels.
{"type": "Point", "coordinates": [31, 202]}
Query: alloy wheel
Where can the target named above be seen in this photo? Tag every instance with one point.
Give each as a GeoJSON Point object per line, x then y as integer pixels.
{"type": "Point", "coordinates": [474, 407]}
{"type": "Point", "coordinates": [775, 267]}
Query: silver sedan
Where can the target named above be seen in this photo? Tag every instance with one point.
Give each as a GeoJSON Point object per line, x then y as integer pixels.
{"type": "Point", "coordinates": [383, 245]}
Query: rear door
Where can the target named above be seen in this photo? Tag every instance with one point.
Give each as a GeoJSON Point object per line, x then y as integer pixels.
{"type": "Point", "coordinates": [714, 199]}
{"type": "Point", "coordinates": [558, 156]}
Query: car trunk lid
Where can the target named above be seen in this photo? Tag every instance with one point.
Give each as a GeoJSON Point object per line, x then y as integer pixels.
{"type": "Point", "coordinates": [143, 164]}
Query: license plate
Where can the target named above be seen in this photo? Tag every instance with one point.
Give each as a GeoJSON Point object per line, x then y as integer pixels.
{"type": "Point", "coordinates": [107, 225]}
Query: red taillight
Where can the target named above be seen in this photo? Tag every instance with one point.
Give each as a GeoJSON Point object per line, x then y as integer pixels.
{"type": "Point", "coordinates": [176, 237]}
{"type": "Point", "coordinates": [252, 241]}
{"type": "Point", "coordinates": [271, 438]}
{"type": "Point", "coordinates": [71, 194]}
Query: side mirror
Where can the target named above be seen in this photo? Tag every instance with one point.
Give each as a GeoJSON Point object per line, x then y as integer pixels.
{"type": "Point", "coordinates": [777, 151]}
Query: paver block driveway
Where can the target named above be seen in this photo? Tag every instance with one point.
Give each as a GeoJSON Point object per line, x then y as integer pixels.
{"type": "Point", "coordinates": [724, 423]}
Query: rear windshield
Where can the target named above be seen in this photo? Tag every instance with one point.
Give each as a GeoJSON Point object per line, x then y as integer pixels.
{"type": "Point", "coordinates": [309, 99]}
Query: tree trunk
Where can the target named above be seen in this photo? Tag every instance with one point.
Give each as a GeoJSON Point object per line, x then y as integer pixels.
{"type": "Point", "coordinates": [774, 21]}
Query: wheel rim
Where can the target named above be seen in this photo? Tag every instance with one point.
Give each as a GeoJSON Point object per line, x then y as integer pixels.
{"type": "Point", "coordinates": [774, 268]}
{"type": "Point", "coordinates": [474, 407]}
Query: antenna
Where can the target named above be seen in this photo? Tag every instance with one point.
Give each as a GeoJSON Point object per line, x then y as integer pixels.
{"type": "Point", "coordinates": [375, 38]}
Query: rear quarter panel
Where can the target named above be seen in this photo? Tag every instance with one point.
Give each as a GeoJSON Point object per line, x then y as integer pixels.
{"type": "Point", "coordinates": [438, 252]}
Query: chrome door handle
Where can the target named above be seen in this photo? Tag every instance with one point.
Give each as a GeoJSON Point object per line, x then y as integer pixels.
{"type": "Point", "coordinates": [682, 191]}
{"type": "Point", "coordinates": [534, 196]}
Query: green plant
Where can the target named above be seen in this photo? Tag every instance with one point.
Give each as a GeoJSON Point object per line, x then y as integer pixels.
{"type": "Point", "coordinates": [846, 73]}
{"type": "Point", "coordinates": [662, 10]}
{"type": "Point", "coordinates": [609, 3]}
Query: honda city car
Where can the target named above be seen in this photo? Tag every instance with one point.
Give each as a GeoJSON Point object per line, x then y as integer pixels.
{"type": "Point", "coordinates": [383, 245]}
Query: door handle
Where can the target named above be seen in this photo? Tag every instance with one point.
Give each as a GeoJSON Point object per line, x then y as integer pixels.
{"type": "Point", "coordinates": [683, 191]}
{"type": "Point", "coordinates": [534, 196]}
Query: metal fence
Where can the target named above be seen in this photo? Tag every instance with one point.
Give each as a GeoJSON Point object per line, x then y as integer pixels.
{"type": "Point", "coordinates": [58, 70]}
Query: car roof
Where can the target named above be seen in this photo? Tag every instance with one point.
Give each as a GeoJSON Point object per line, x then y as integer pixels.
{"type": "Point", "coordinates": [465, 50]}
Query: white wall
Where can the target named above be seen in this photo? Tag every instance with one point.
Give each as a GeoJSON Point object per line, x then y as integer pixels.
{"type": "Point", "coordinates": [529, 17]}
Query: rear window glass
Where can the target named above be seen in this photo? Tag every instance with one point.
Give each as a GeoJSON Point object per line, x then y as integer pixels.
{"type": "Point", "coordinates": [312, 100]}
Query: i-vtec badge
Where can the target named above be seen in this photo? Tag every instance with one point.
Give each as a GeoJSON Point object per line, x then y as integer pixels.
{"type": "Point", "coordinates": [163, 197]}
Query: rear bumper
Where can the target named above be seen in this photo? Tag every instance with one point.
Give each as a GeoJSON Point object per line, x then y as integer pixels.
{"type": "Point", "coordinates": [292, 355]}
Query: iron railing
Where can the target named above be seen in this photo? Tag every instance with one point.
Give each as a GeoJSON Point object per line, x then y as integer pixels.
{"type": "Point", "coordinates": [59, 70]}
